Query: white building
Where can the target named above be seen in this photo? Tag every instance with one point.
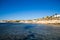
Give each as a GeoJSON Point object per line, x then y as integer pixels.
{"type": "Point", "coordinates": [56, 15]}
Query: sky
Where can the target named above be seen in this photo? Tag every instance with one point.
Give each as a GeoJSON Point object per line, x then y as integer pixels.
{"type": "Point", "coordinates": [28, 9]}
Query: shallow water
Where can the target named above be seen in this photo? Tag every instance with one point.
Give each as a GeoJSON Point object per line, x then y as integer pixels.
{"type": "Point", "coordinates": [21, 31]}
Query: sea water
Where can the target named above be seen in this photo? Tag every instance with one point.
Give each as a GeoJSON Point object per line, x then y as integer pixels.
{"type": "Point", "coordinates": [25, 31]}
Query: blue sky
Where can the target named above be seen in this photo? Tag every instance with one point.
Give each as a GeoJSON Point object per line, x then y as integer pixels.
{"type": "Point", "coordinates": [28, 9]}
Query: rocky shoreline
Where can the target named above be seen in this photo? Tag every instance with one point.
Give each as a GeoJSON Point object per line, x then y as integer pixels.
{"type": "Point", "coordinates": [53, 22]}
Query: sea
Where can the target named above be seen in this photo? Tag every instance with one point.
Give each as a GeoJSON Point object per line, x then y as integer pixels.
{"type": "Point", "coordinates": [28, 31]}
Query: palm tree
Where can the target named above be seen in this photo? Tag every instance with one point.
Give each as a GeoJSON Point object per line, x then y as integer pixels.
{"type": "Point", "coordinates": [51, 17]}
{"type": "Point", "coordinates": [47, 17]}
